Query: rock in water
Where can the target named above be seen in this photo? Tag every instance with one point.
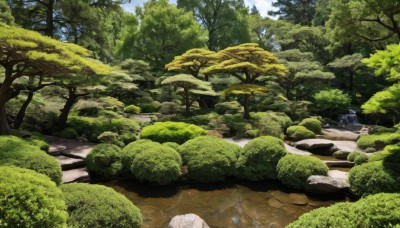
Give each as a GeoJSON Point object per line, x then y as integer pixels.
{"type": "Point", "coordinates": [187, 221]}
{"type": "Point", "coordinates": [334, 182]}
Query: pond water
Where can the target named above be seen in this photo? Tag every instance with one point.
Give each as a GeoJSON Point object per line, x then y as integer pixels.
{"type": "Point", "coordinates": [256, 204]}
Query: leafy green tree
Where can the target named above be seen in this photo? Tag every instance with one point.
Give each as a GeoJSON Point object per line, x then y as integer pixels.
{"type": "Point", "coordinates": [5, 13]}
{"type": "Point", "coordinates": [24, 52]}
{"type": "Point", "coordinates": [225, 21]}
{"type": "Point", "coordinates": [261, 32]}
{"type": "Point", "coordinates": [164, 32]}
{"type": "Point", "coordinates": [297, 11]}
{"type": "Point", "coordinates": [191, 87]}
{"type": "Point", "coordinates": [304, 75]}
{"type": "Point", "coordinates": [246, 62]}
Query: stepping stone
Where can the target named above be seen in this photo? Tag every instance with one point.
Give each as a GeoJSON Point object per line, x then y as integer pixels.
{"type": "Point", "coordinates": [337, 174]}
{"type": "Point", "coordinates": [56, 150]}
{"type": "Point", "coordinates": [69, 163]}
{"type": "Point", "coordinates": [339, 134]}
{"type": "Point", "coordinates": [294, 150]}
{"type": "Point", "coordinates": [334, 182]}
{"type": "Point", "coordinates": [342, 164]}
{"type": "Point", "coordinates": [239, 142]}
{"type": "Point", "coordinates": [75, 175]}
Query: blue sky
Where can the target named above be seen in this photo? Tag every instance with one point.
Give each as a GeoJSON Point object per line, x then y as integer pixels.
{"type": "Point", "coordinates": [263, 5]}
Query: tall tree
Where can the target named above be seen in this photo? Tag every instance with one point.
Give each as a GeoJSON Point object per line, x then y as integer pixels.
{"type": "Point", "coordinates": [5, 13]}
{"type": "Point", "coordinates": [225, 21]}
{"type": "Point", "coordinates": [246, 62]}
{"type": "Point", "coordinates": [25, 53]}
{"type": "Point", "coordinates": [296, 11]}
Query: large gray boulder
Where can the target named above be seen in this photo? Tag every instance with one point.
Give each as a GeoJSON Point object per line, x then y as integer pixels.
{"type": "Point", "coordinates": [325, 146]}
{"type": "Point", "coordinates": [187, 221]}
{"type": "Point", "coordinates": [334, 182]}
{"type": "Point", "coordinates": [339, 134]}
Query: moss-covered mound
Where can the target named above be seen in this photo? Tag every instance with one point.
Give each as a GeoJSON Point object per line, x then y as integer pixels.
{"type": "Point", "coordinates": [29, 199]}
{"type": "Point", "coordinates": [294, 170]}
{"type": "Point", "coordinates": [378, 141]}
{"type": "Point", "coordinates": [178, 132]}
{"type": "Point", "coordinates": [18, 152]}
{"type": "Point", "coordinates": [99, 206]}
{"type": "Point", "coordinates": [259, 158]}
{"type": "Point", "coordinates": [312, 124]}
{"type": "Point", "coordinates": [209, 159]}
{"type": "Point", "coordinates": [104, 160]}
{"type": "Point", "coordinates": [380, 210]}
{"type": "Point", "coordinates": [152, 162]}
{"type": "Point", "coordinates": [298, 133]}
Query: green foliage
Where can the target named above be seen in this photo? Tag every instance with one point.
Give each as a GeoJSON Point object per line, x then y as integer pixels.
{"type": "Point", "coordinates": [380, 210]}
{"type": "Point", "coordinates": [111, 138]}
{"type": "Point", "coordinates": [298, 133]}
{"type": "Point", "coordinates": [178, 132]}
{"type": "Point", "coordinates": [312, 124]}
{"type": "Point", "coordinates": [5, 13]}
{"type": "Point", "coordinates": [34, 138]}
{"type": "Point", "coordinates": [386, 62]}
{"type": "Point", "coordinates": [169, 108]}
{"type": "Point", "coordinates": [104, 160]}
{"type": "Point", "coordinates": [128, 137]}
{"type": "Point", "coordinates": [93, 127]}
{"type": "Point", "coordinates": [29, 199]}
{"type": "Point", "coordinates": [209, 159]}
{"type": "Point", "coordinates": [297, 12]}
{"type": "Point", "coordinates": [132, 109]}
{"type": "Point", "coordinates": [294, 170]}
{"type": "Point", "coordinates": [259, 158]}
{"type": "Point", "coordinates": [229, 107]}
{"type": "Point", "coordinates": [361, 159]}
{"type": "Point", "coordinates": [92, 205]}
{"type": "Point", "coordinates": [67, 133]}
{"type": "Point", "coordinates": [329, 102]}
{"type": "Point", "coordinates": [132, 149]}
{"type": "Point", "coordinates": [150, 107]}
{"type": "Point", "coordinates": [376, 140]}
{"type": "Point", "coordinates": [384, 102]}
{"type": "Point", "coordinates": [171, 145]}
{"type": "Point", "coordinates": [353, 155]}
{"type": "Point", "coordinates": [17, 152]}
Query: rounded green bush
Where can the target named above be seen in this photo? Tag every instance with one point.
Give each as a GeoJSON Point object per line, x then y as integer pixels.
{"type": "Point", "coordinates": [361, 159]}
{"type": "Point", "coordinates": [172, 145]}
{"type": "Point", "coordinates": [132, 109]}
{"type": "Point", "coordinates": [105, 160]}
{"type": "Point", "coordinates": [294, 170]}
{"type": "Point", "coordinates": [150, 161]}
{"type": "Point", "coordinates": [99, 206]}
{"type": "Point", "coordinates": [373, 177]}
{"type": "Point", "coordinates": [128, 137]}
{"type": "Point", "coordinates": [353, 155]}
{"type": "Point", "coordinates": [378, 140]}
{"type": "Point", "coordinates": [178, 132]}
{"type": "Point", "coordinates": [18, 152]}
{"type": "Point", "coordinates": [111, 138]}
{"type": "Point", "coordinates": [159, 164]}
{"type": "Point", "coordinates": [259, 158]}
{"type": "Point", "coordinates": [380, 210]}
{"type": "Point", "coordinates": [67, 133]}
{"type": "Point", "coordinates": [231, 107]}
{"type": "Point", "coordinates": [312, 124]}
{"type": "Point", "coordinates": [209, 159]}
{"type": "Point", "coordinates": [29, 199]}
{"type": "Point", "coordinates": [329, 102]}
{"type": "Point", "coordinates": [298, 133]}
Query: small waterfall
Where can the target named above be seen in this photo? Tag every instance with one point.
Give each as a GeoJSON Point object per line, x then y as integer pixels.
{"type": "Point", "coordinates": [348, 120]}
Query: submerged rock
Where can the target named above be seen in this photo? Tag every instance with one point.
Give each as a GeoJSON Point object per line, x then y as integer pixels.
{"type": "Point", "coordinates": [187, 221]}
{"type": "Point", "coordinates": [298, 199]}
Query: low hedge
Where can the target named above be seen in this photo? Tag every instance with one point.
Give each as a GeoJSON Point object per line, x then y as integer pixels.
{"type": "Point", "coordinates": [92, 205]}
{"type": "Point", "coordinates": [378, 140]}
{"type": "Point", "coordinates": [104, 160]}
{"type": "Point", "coordinates": [29, 199]}
{"type": "Point", "coordinates": [209, 159]}
{"type": "Point", "coordinates": [259, 158]}
{"type": "Point", "coordinates": [132, 109]}
{"type": "Point", "coordinates": [18, 152]}
{"type": "Point", "coordinates": [312, 124]}
{"type": "Point", "coordinates": [178, 132]}
{"type": "Point", "coordinates": [67, 133]}
{"type": "Point", "coordinates": [380, 210]}
{"type": "Point", "coordinates": [298, 133]}
{"type": "Point", "coordinates": [294, 170]}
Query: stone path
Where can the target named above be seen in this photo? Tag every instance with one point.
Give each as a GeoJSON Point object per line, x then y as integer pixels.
{"type": "Point", "coordinates": [71, 154]}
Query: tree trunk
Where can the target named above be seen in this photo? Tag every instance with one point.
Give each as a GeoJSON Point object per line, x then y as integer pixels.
{"type": "Point", "coordinates": [4, 90]}
{"type": "Point", "coordinates": [246, 105]}
{"type": "Point", "coordinates": [63, 117]}
{"type": "Point", "coordinates": [4, 126]}
{"type": "Point", "coordinates": [21, 113]}
{"type": "Point", "coordinates": [50, 19]}
{"type": "Point", "coordinates": [187, 102]}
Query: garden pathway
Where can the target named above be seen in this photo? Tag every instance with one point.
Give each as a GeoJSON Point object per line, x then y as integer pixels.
{"type": "Point", "coordinates": [71, 154]}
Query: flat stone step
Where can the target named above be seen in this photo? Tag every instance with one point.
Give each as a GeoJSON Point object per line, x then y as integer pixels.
{"type": "Point", "coordinates": [341, 164]}
{"type": "Point", "coordinates": [75, 175]}
{"type": "Point", "coordinates": [68, 163]}
{"type": "Point", "coordinates": [294, 150]}
{"type": "Point", "coordinates": [339, 134]}
{"type": "Point", "coordinates": [337, 174]}
{"type": "Point", "coordinates": [55, 150]}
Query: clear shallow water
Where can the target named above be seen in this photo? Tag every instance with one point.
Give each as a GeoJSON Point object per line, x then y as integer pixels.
{"type": "Point", "coordinates": [261, 204]}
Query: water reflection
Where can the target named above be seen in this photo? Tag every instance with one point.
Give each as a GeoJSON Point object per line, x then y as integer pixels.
{"type": "Point", "coordinates": [261, 204]}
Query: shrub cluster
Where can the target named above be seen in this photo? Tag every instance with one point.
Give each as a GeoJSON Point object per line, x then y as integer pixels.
{"type": "Point", "coordinates": [111, 138]}
{"type": "Point", "coordinates": [259, 158]}
{"type": "Point", "coordinates": [178, 132]}
{"type": "Point", "coordinates": [298, 133]}
{"type": "Point", "coordinates": [228, 107]}
{"type": "Point", "coordinates": [67, 133]}
{"type": "Point", "coordinates": [358, 158]}
{"type": "Point", "coordinates": [18, 152]}
{"type": "Point", "coordinates": [366, 141]}
{"type": "Point", "coordinates": [294, 170]}
{"type": "Point", "coordinates": [29, 199]}
{"type": "Point", "coordinates": [132, 109]}
{"type": "Point", "coordinates": [380, 210]}
{"type": "Point", "coordinates": [209, 159]}
{"type": "Point", "coordinates": [312, 124]}
{"type": "Point", "coordinates": [104, 160]}
{"type": "Point", "coordinates": [152, 162]}
{"type": "Point", "coordinates": [92, 205]}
